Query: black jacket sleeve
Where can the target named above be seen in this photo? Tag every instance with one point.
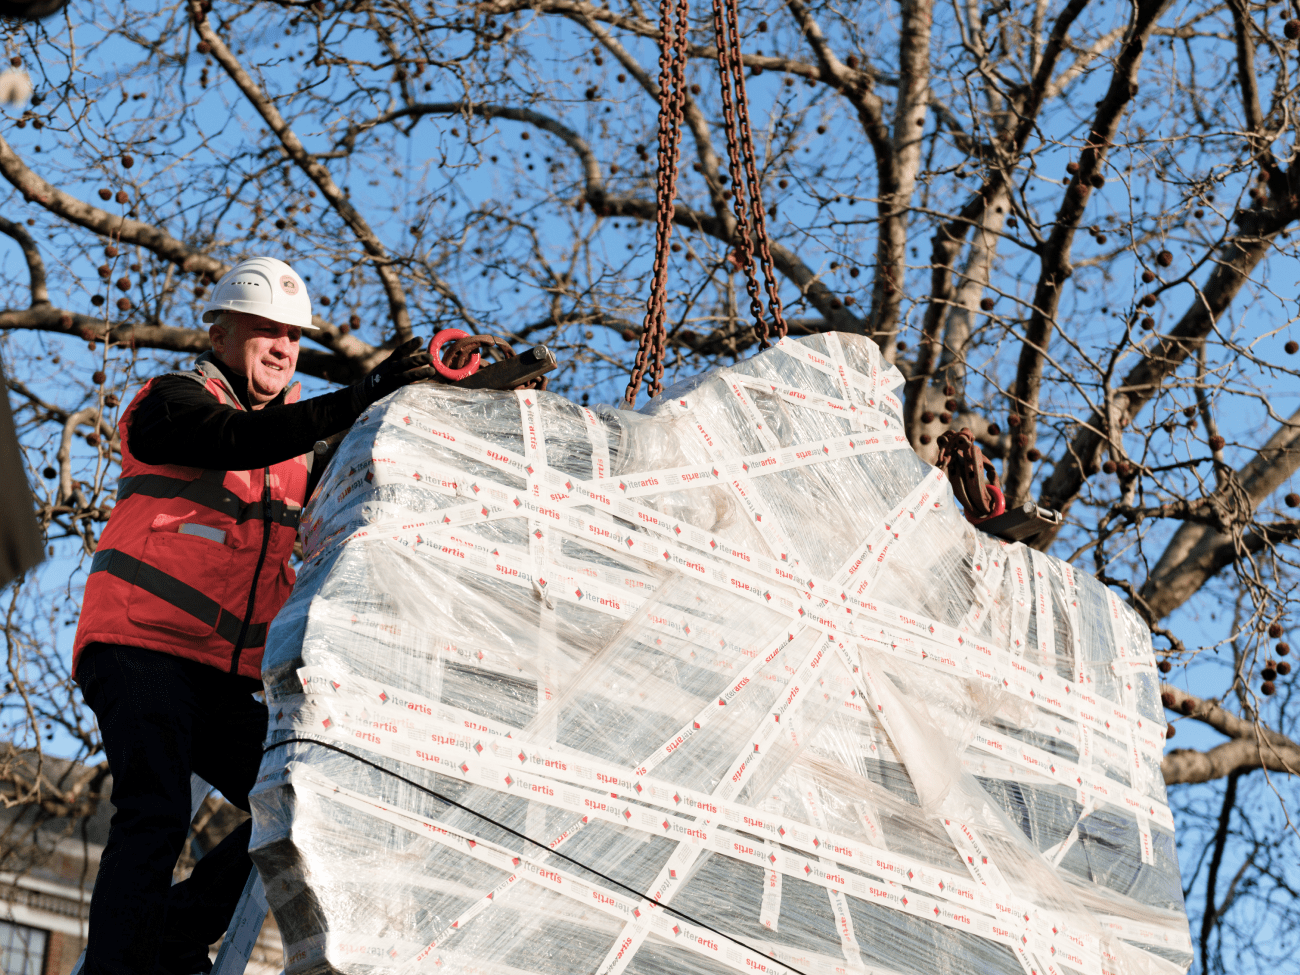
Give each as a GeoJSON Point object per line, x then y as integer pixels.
{"type": "Point", "coordinates": [180, 422]}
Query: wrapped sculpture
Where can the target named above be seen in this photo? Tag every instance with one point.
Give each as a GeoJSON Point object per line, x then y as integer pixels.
{"type": "Point", "coordinates": [727, 684]}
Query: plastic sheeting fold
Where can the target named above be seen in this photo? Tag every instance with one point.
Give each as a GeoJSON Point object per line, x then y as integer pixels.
{"type": "Point", "coordinates": [728, 684]}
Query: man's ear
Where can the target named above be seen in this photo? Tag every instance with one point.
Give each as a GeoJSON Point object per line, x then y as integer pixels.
{"type": "Point", "coordinates": [217, 335]}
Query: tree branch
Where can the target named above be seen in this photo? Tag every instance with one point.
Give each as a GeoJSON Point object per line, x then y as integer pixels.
{"type": "Point", "coordinates": [1055, 268]}
{"type": "Point", "coordinates": [317, 173]}
{"type": "Point", "coordinates": [1241, 254]}
{"type": "Point", "coordinates": [35, 266]}
{"type": "Point", "coordinates": [120, 228]}
{"type": "Point", "coordinates": [335, 367]}
{"type": "Point", "coordinates": [595, 193]}
{"type": "Point", "coordinates": [897, 180]}
{"type": "Point", "coordinates": [1198, 550]}
{"type": "Point", "coordinates": [1253, 746]}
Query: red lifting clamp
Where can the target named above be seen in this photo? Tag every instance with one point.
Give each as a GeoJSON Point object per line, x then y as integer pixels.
{"type": "Point", "coordinates": [444, 370]}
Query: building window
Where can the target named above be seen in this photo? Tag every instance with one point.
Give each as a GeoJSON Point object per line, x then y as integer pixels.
{"type": "Point", "coordinates": [22, 949]}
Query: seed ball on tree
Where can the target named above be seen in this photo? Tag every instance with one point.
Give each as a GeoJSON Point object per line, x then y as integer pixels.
{"type": "Point", "coordinates": [945, 417]}
{"type": "Point", "coordinates": [98, 378]}
{"type": "Point", "coordinates": [1189, 411]}
{"type": "Point", "coordinates": [1186, 706]}
{"type": "Point", "coordinates": [1148, 277]}
{"type": "Point", "coordinates": [1292, 347]}
{"type": "Point", "coordinates": [1269, 672]}
{"type": "Point", "coordinates": [16, 61]}
{"type": "Point", "coordinates": [1100, 238]}
{"type": "Point", "coordinates": [1164, 258]}
{"type": "Point", "coordinates": [986, 304]}
{"type": "Point", "coordinates": [1148, 323]}
{"type": "Point", "coordinates": [123, 283]}
{"type": "Point", "coordinates": [96, 300]}
{"type": "Point", "coordinates": [1282, 649]}
{"type": "Point", "coordinates": [111, 401]}
{"type": "Point", "coordinates": [1109, 467]}
{"type": "Point", "coordinates": [123, 304]}
{"type": "Point", "coordinates": [994, 430]}
{"type": "Point", "coordinates": [950, 405]}
{"type": "Point", "coordinates": [1167, 699]}
{"type": "Point", "coordinates": [1148, 300]}
{"type": "Point", "coordinates": [1169, 732]}
{"type": "Point", "coordinates": [1072, 168]}
{"type": "Point", "coordinates": [762, 26]}
{"type": "Point", "coordinates": [105, 193]}
{"type": "Point", "coordinates": [122, 197]}
{"type": "Point", "coordinates": [92, 439]}
{"type": "Point", "coordinates": [1268, 688]}
{"type": "Point", "coordinates": [1013, 420]}
{"type": "Point", "coordinates": [127, 160]}
{"type": "Point", "coordinates": [1165, 666]}
{"type": "Point", "coordinates": [1097, 180]}
{"type": "Point", "coordinates": [203, 47]}
{"type": "Point", "coordinates": [925, 438]}
{"type": "Point", "coordinates": [1292, 500]}
{"type": "Point", "coordinates": [50, 473]}
{"type": "Point", "coordinates": [1034, 454]}
{"type": "Point", "coordinates": [1124, 469]}
{"type": "Point", "coordinates": [948, 390]}
{"type": "Point", "coordinates": [1275, 630]}
{"type": "Point", "coordinates": [927, 417]}
{"type": "Point", "coordinates": [1216, 442]}
{"type": "Point", "coordinates": [1291, 30]}
{"type": "Point", "coordinates": [821, 130]}
{"type": "Point", "coordinates": [1283, 668]}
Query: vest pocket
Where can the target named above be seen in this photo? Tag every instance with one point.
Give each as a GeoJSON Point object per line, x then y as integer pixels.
{"type": "Point", "coordinates": [181, 583]}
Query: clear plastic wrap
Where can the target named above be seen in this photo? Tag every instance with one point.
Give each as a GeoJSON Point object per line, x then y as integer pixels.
{"type": "Point", "coordinates": [728, 684]}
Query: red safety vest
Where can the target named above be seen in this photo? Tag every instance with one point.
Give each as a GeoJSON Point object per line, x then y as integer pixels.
{"type": "Point", "coordinates": [195, 562]}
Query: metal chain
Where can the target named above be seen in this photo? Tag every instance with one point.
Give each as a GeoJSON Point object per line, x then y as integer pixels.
{"type": "Point", "coordinates": [740, 146]}
{"type": "Point", "coordinates": [744, 248]}
{"type": "Point", "coordinates": [673, 25]}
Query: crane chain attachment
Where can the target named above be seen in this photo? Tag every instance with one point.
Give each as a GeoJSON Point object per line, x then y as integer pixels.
{"type": "Point", "coordinates": [673, 25]}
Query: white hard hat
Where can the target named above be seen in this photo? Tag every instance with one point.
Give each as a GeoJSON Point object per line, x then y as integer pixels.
{"type": "Point", "coordinates": [262, 286]}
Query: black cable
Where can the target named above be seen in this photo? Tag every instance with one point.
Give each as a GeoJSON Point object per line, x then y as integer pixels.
{"type": "Point", "coordinates": [527, 839]}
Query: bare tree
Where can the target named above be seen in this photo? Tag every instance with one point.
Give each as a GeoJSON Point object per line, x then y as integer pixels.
{"type": "Point", "coordinates": [1066, 222]}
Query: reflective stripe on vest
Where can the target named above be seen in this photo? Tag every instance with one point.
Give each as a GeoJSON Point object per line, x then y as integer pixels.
{"type": "Point", "coordinates": [210, 491]}
{"type": "Point", "coordinates": [176, 593]}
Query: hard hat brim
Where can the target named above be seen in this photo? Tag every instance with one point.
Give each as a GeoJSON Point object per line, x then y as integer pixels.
{"type": "Point", "coordinates": [260, 309]}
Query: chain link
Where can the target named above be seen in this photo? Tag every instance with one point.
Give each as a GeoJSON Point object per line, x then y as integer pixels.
{"type": "Point", "coordinates": [740, 153]}
{"type": "Point", "coordinates": [673, 24]}
{"type": "Point", "coordinates": [751, 222]}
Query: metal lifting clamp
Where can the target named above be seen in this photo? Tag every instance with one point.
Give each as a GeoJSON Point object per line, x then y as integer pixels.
{"type": "Point", "coordinates": [975, 483]}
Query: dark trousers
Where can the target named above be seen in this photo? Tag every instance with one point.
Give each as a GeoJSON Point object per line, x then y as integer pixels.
{"type": "Point", "coordinates": [161, 718]}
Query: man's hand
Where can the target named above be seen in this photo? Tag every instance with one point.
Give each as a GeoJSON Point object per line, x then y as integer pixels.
{"type": "Point", "coordinates": [405, 365]}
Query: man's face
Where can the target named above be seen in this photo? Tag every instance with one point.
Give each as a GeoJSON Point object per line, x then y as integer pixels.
{"type": "Point", "coordinates": [264, 351]}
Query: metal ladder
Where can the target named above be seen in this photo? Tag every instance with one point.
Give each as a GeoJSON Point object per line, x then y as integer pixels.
{"type": "Point", "coordinates": [250, 914]}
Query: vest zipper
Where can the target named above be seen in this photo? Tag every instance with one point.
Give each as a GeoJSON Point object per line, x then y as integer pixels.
{"type": "Point", "coordinates": [257, 572]}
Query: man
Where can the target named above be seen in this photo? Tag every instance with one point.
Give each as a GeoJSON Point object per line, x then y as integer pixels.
{"type": "Point", "coordinates": [189, 572]}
